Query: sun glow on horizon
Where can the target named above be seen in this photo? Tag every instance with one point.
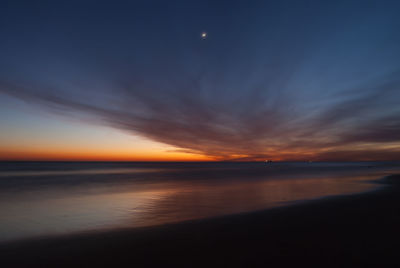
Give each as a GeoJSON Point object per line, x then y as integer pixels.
{"type": "Point", "coordinates": [51, 137]}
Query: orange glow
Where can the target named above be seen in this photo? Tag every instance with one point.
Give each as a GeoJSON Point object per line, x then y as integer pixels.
{"type": "Point", "coordinates": [160, 154]}
{"type": "Point", "coordinates": [99, 156]}
{"type": "Point", "coordinates": [77, 141]}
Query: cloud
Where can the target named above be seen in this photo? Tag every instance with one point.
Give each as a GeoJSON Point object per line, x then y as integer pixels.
{"type": "Point", "coordinates": [293, 82]}
{"type": "Point", "coordinates": [259, 124]}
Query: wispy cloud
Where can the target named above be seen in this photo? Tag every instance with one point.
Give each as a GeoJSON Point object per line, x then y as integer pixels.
{"type": "Point", "coordinates": [272, 80]}
{"type": "Point", "coordinates": [256, 125]}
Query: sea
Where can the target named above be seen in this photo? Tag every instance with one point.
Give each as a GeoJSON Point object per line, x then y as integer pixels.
{"type": "Point", "coordinates": [44, 199]}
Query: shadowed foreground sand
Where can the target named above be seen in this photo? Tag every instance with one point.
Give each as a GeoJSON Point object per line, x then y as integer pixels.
{"type": "Point", "coordinates": [351, 231]}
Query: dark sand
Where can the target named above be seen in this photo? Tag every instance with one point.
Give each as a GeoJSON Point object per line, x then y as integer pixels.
{"type": "Point", "coordinates": [355, 231]}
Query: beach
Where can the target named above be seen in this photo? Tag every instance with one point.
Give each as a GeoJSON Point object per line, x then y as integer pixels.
{"type": "Point", "coordinates": [352, 230]}
{"type": "Point", "coordinates": [199, 134]}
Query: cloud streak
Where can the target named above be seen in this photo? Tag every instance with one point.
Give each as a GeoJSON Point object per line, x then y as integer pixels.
{"type": "Point", "coordinates": [261, 124]}
{"type": "Point", "coordinates": [272, 81]}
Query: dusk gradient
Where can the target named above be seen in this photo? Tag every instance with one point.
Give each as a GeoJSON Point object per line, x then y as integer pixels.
{"type": "Point", "coordinates": [278, 80]}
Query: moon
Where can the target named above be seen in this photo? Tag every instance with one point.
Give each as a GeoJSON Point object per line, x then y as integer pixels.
{"type": "Point", "coordinates": [203, 35]}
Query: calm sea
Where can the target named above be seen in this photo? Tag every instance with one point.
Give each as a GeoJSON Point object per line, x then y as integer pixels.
{"type": "Point", "coordinates": [52, 198]}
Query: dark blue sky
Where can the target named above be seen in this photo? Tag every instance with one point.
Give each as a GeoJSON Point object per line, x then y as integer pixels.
{"type": "Point", "coordinates": [274, 79]}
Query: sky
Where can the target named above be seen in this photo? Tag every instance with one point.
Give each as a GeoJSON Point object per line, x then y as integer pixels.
{"type": "Point", "coordinates": [135, 80]}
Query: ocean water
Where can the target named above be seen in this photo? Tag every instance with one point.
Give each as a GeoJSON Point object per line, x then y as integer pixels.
{"type": "Point", "coordinates": [58, 198]}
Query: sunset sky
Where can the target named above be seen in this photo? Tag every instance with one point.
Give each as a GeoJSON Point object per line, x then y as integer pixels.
{"type": "Point", "coordinates": [135, 80]}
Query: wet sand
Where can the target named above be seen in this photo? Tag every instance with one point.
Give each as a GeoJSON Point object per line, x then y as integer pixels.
{"type": "Point", "coordinates": [355, 231]}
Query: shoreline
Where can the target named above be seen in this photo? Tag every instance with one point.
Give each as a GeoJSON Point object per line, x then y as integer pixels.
{"type": "Point", "coordinates": [346, 230]}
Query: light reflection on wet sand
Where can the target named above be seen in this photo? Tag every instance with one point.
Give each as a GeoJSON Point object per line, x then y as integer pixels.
{"type": "Point", "coordinates": [51, 211]}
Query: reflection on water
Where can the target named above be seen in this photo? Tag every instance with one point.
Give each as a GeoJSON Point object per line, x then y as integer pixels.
{"type": "Point", "coordinates": [104, 198]}
{"type": "Point", "coordinates": [76, 172]}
